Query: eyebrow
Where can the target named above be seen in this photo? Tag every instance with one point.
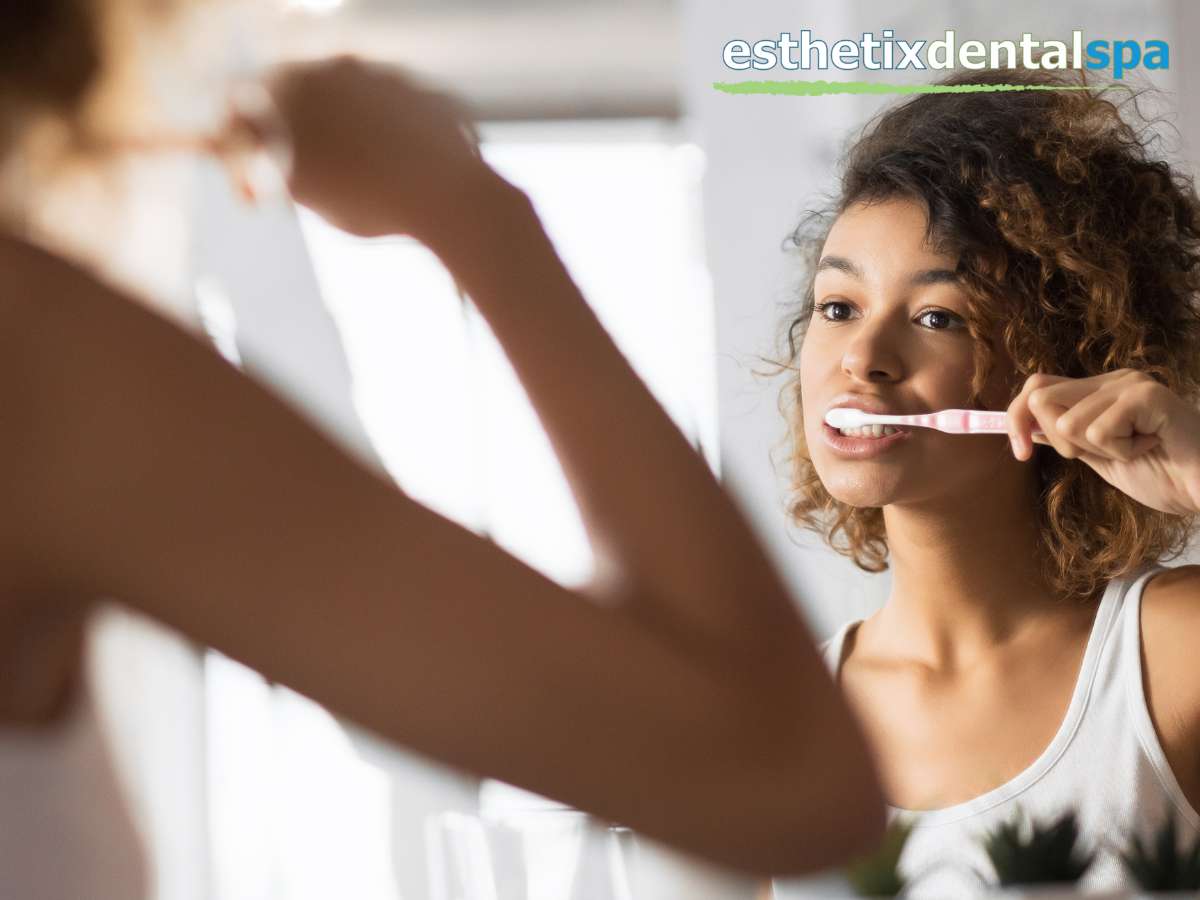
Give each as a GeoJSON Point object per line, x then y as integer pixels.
{"type": "Point", "coordinates": [924, 277]}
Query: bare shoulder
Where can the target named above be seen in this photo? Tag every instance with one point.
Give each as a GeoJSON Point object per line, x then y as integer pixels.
{"type": "Point", "coordinates": [1170, 635]}
{"type": "Point", "coordinates": [1171, 601]}
{"type": "Point", "coordinates": [1171, 623]}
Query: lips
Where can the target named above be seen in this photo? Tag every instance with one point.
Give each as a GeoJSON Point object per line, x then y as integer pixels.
{"type": "Point", "coordinates": [850, 447]}
{"type": "Point", "coordinates": [861, 401]}
{"type": "Point", "coordinates": [862, 447]}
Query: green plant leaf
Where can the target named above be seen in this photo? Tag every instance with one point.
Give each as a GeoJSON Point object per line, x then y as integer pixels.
{"type": "Point", "coordinates": [878, 873]}
{"type": "Point", "coordinates": [1025, 852]}
{"type": "Point", "coordinates": [1163, 866]}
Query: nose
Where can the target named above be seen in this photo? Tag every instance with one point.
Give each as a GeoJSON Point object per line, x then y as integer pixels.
{"type": "Point", "coordinates": [871, 354]}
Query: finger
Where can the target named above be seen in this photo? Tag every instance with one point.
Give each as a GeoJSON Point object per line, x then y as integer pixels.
{"type": "Point", "coordinates": [1153, 405]}
{"type": "Point", "coordinates": [1141, 444]}
{"type": "Point", "coordinates": [1059, 394]}
{"type": "Point", "coordinates": [1021, 420]}
{"type": "Point", "coordinates": [1020, 423]}
{"type": "Point", "coordinates": [1046, 415]}
{"type": "Point", "coordinates": [1066, 392]}
{"type": "Point", "coordinates": [1115, 433]}
{"type": "Point", "coordinates": [1077, 424]}
{"type": "Point", "coordinates": [1142, 411]}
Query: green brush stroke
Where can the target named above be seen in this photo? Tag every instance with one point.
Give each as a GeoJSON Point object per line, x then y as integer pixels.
{"type": "Point", "coordinates": [817, 88]}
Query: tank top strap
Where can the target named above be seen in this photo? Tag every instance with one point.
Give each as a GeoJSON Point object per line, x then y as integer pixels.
{"type": "Point", "coordinates": [1123, 651]}
{"type": "Point", "coordinates": [832, 649]}
{"type": "Point", "coordinates": [1098, 654]}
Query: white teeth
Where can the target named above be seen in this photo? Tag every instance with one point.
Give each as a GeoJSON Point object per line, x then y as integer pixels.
{"type": "Point", "coordinates": [869, 431]}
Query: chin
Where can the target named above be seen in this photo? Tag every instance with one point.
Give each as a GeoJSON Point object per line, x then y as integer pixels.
{"type": "Point", "coordinates": [860, 488]}
{"type": "Point", "coordinates": [862, 499]}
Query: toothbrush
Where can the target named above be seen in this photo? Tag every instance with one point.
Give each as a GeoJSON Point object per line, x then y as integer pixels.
{"type": "Point", "coordinates": [951, 421]}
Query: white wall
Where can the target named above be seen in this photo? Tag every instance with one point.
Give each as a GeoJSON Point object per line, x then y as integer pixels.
{"type": "Point", "coordinates": [1185, 16]}
{"type": "Point", "coordinates": [766, 157]}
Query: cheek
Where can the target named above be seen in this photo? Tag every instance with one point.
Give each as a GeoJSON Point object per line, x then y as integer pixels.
{"type": "Point", "coordinates": [945, 382]}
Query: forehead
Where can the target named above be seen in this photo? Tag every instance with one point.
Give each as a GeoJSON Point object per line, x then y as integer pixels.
{"type": "Point", "coordinates": [884, 235]}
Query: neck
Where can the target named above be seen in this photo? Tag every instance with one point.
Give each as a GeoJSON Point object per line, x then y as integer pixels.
{"type": "Point", "coordinates": [966, 576]}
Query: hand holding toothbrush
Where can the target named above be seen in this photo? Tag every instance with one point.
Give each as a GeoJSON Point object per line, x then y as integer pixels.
{"type": "Point", "coordinates": [1131, 429]}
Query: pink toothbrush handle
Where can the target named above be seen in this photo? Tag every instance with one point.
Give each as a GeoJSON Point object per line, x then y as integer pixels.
{"type": "Point", "coordinates": [967, 421]}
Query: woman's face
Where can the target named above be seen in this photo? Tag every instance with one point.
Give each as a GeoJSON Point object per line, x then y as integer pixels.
{"type": "Point", "coordinates": [888, 334]}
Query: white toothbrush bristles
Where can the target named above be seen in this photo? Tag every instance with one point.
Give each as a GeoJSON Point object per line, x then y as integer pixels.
{"type": "Point", "coordinates": [846, 417]}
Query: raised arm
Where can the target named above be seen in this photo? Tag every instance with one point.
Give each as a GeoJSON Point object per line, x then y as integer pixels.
{"type": "Point", "coordinates": [682, 697]}
{"type": "Point", "coordinates": [378, 155]}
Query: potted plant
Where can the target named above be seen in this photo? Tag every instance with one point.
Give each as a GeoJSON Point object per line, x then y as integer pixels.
{"type": "Point", "coordinates": [878, 874]}
{"type": "Point", "coordinates": [1161, 867]}
{"type": "Point", "coordinates": [1037, 859]}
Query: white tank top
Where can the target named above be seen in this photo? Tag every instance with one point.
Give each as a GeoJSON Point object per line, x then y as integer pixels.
{"type": "Point", "coordinates": [1105, 762]}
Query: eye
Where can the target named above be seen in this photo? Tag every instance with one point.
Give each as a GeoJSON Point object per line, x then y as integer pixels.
{"type": "Point", "coordinates": [820, 308]}
{"type": "Point", "coordinates": [948, 320]}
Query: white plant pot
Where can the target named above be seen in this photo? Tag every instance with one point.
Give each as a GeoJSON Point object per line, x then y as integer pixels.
{"type": "Point", "coordinates": [1059, 892]}
{"type": "Point", "coordinates": [658, 872]}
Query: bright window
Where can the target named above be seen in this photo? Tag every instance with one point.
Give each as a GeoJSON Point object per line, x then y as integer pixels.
{"type": "Point", "coordinates": [296, 812]}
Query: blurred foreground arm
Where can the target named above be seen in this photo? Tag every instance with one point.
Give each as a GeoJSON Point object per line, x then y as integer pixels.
{"type": "Point", "coordinates": [681, 695]}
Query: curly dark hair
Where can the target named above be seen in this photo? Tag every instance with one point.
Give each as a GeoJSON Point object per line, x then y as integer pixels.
{"type": "Point", "coordinates": [1074, 244]}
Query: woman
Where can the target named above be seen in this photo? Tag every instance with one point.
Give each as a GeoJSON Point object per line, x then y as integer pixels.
{"type": "Point", "coordinates": [1018, 251]}
{"type": "Point", "coordinates": [140, 467]}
